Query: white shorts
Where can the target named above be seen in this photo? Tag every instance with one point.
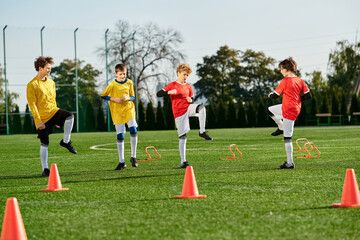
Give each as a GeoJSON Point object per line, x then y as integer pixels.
{"type": "Point", "coordinates": [120, 128]}
{"type": "Point", "coordinates": [288, 127]}
{"type": "Point", "coordinates": [287, 123]}
{"type": "Point", "coordinates": [183, 123]}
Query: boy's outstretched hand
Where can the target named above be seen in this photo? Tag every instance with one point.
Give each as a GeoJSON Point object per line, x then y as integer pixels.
{"type": "Point", "coordinates": [173, 91]}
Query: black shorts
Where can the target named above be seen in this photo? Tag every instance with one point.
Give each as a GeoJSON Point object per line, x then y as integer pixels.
{"type": "Point", "coordinates": [58, 119]}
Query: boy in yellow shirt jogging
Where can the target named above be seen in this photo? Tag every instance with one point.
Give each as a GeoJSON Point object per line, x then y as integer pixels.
{"type": "Point", "coordinates": [41, 96]}
{"type": "Point", "coordinates": [120, 95]}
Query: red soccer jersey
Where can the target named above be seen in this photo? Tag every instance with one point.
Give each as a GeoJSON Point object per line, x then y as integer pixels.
{"type": "Point", "coordinates": [178, 101]}
{"type": "Point", "coordinates": [291, 88]}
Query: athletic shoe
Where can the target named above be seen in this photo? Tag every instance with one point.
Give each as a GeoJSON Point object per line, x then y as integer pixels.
{"type": "Point", "coordinates": [184, 164]}
{"type": "Point", "coordinates": [46, 172]}
{"type": "Point", "coordinates": [68, 146]}
{"type": "Point", "coordinates": [287, 166]}
{"type": "Point", "coordinates": [277, 132]}
{"type": "Point", "coordinates": [120, 166]}
{"type": "Point", "coordinates": [133, 162]}
{"type": "Point", "coordinates": [206, 136]}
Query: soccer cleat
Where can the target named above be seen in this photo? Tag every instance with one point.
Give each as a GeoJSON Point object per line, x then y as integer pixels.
{"type": "Point", "coordinates": [184, 164]}
{"type": "Point", "coordinates": [206, 136]}
{"type": "Point", "coordinates": [287, 166]}
{"type": "Point", "coordinates": [277, 132]}
{"type": "Point", "coordinates": [120, 166]}
{"type": "Point", "coordinates": [68, 146]}
{"type": "Point", "coordinates": [133, 162]}
{"type": "Point", "coordinates": [46, 172]}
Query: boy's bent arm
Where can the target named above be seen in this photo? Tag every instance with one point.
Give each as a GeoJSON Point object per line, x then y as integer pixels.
{"type": "Point", "coordinates": [31, 98]}
{"type": "Point", "coordinates": [306, 96]}
{"type": "Point", "coordinates": [161, 93]}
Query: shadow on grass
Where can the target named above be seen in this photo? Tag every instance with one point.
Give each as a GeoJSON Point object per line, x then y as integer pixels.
{"type": "Point", "coordinates": [21, 177]}
{"type": "Point", "coordinates": [125, 177]}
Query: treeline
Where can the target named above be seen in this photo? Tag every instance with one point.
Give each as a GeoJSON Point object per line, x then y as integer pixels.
{"type": "Point", "coordinates": [230, 114]}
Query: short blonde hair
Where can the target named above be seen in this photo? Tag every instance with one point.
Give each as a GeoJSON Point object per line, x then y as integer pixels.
{"type": "Point", "coordinates": [183, 67]}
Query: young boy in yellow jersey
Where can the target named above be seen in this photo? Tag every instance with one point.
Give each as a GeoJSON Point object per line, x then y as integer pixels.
{"type": "Point", "coordinates": [120, 95]}
{"type": "Point", "coordinates": [41, 96]}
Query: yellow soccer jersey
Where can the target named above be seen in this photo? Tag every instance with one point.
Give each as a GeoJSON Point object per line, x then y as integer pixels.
{"type": "Point", "coordinates": [120, 112]}
{"type": "Point", "coordinates": [41, 98]}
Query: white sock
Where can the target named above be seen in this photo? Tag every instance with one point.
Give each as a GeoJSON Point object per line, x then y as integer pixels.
{"type": "Point", "coordinates": [68, 125]}
{"type": "Point", "coordinates": [289, 151]}
{"type": "Point", "coordinates": [279, 122]}
{"type": "Point", "coordinates": [133, 142]}
{"type": "Point", "coordinates": [44, 155]}
{"type": "Point", "coordinates": [202, 119]}
{"type": "Point", "coordinates": [182, 149]}
{"type": "Point", "coordinates": [120, 146]}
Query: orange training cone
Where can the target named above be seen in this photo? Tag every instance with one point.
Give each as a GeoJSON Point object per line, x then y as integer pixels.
{"type": "Point", "coordinates": [13, 226]}
{"type": "Point", "coordinates": [190, 189]}
{"type": "Point", "coordinates": [350, 196]}
{"type": "Point", "coordinates": [54, 183]}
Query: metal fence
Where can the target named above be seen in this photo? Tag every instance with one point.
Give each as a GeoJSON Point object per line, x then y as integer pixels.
{"type": "Point", "coordinates": [21, 46]}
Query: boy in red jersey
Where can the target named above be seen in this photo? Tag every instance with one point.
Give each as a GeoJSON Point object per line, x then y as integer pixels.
{"type": "Point", "coordinates": [183, 107]}
{"type": "Point", "coordinates": [286, 113]}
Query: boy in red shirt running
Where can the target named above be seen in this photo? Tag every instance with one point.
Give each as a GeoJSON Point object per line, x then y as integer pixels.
{"type": "Point", "coordinates": [183, 107]}
{"type": "Point", "coordinates": [286, 113]}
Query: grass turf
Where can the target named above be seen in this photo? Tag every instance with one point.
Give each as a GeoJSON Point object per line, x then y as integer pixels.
{"type": "Point", "coordinates": [247, 198]}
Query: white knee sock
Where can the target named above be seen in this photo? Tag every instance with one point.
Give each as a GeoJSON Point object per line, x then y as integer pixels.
{"type": "Point", "coordinates": [120, 146]}
{"type": "Point", "coordinates": [202, 119]}
{"type": "Point", "coordinates": [68, 125]}
{"type": "Point", "coordinates": [289, 151]}
{"type": "Point", "coordinates": [44, 155]}
{"type": "Point", "coordinates": [133, 142]}
{"type": "Point", "coordinates": [182, 149]}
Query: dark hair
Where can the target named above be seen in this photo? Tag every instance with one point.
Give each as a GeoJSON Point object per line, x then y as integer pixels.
{"type": "Point", "coordinates": [40, 62]}
{"type": "Point", "coordinates": [120, 67]}
{"type": "Point", "coordinates": [289, 64]}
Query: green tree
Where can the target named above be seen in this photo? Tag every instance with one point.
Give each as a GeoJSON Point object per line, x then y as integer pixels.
{"type": "Point", "coordinates": [216, 74]}
{"type": "Point", "coordinates": [28, 125]}
{"type": "Point", "coordinates": [211, 115]}
{"type": "Point", "coordinates": [15, 125]}
{"type": "Point", "coordinates": [141, 110]}
{"type": "Point", "coordinates": [355, 106]}
{"type": "Point", "coordinates": [231, 116]}
{"type": "Point", "coordinates": [344, 64]}
{"type": "Point", "coordinates": [325, 108]}
{"type": "Point", "coordinates": [261, 113]}
{"type": "Point", "coordinates": [259, 74]}
{"type": "Point", "coordinates": [160, 118]}
{"type": "Point", "coordinates": [221, 116]}
{"type": "Point", "coordinates": [241, 118]}
{"type": "Point", "coordinates": [150, 117]}
{"type": "Point", "coordinates": [169, 116]}
{"type": "Point", "coordinates": [89, 117]}
{"type": "Point", "coordinates": [251, 115]}
{"type": "Point", "coordinates": [344, 108]}
{"type": "Point", "coordinates": [64, 77]}
{"type": "Point", "coordinates": [100, 120]}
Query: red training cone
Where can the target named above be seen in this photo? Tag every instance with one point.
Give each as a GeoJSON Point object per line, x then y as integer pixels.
{"type": "Point", "coordinates": [350, 196]}
{"type": "Point", "coordinates": [54, 183]}
{"type": "Point", "coordinates": [190, 189]}
{"type": "Point", "coordinates": [13, 226]}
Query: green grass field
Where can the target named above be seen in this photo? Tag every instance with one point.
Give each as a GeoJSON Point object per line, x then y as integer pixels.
{"type": "Point", "coordinates": [247, 198]}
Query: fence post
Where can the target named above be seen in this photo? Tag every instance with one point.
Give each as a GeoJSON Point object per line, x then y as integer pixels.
{"type": "Point", "coordinates": [6, 83]}
{"type": "Point", "coordinates": [76, 82]}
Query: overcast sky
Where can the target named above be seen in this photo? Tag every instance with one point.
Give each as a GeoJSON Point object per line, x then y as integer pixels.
{"type": "Point", "coordinates": [306, 30]}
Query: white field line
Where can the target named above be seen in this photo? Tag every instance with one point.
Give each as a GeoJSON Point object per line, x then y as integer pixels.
{"type": "Point", "coordinates": [241, 147]}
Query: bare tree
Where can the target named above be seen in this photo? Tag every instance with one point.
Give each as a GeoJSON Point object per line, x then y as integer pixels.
{"type": "Point", "coordinates": [156, 51]}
